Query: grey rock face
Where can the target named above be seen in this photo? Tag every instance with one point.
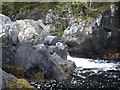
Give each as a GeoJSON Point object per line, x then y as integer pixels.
{"type": "Point", "coordinates": [62, 50]}
{"type": "Point", "coordinates": [67, 65]}
{"type": "Point", "coordinates": [76, 31]}
{"type": "Point", "coordinates": [37, 57]}
{"type": "Point", "coordinates": [6, 77]}
{"type": "Point", "coordinates": [104, 36]}
{"type": "Point", "coordinates": [51, 40]}
{"type": "Point", "coordinates": [31, 31]}
{"type": "Point", "coordinates": [8, 31]}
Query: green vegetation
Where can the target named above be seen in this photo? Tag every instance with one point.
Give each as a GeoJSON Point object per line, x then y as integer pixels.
{"type": "Point", "coordinates": [3, 44]}
{"type": "Point", "coordinates": [58, 7]}
{"type": "Point", "coordinates": [23, 8]}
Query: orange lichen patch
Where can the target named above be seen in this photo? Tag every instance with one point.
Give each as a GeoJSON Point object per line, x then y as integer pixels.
{"type": "Point", "coordinates": [19, 84]}
{"type": "Point", "coordinates": [16, 71]}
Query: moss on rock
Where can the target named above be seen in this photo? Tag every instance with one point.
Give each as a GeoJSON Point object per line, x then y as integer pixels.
{"type": "Point", "coordinates": [39, 77]}
{"type": "Point", "coordinates": [16, 71]}
{"type": "Point", "coordinates": [19, 84]}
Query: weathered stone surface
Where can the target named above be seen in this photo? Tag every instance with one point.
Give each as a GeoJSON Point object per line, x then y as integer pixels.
{"type": "Point", "coordinates": [61, 50]}
{"type": "Point", "coordinates": [8, 32]}
{"type": "Point", "coordinates": [38, 59]}
{"type": "Point", "coordinates": [66, 65]}
{"type": "Point", "coordinates": [51, 40]}
{"type": "Point", "coordinates": [31, 31]}
{"type": "Point", "coordinates": [52, 48]}
{"type": "Point", "coordinates": [103, 38]}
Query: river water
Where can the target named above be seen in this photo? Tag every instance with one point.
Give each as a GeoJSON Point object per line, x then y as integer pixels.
{"type": "Point", "coordinates": [91, 73]}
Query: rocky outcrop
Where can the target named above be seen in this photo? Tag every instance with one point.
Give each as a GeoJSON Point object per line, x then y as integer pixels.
{"type": "Point", "coordinates": [76, 32]}
{"type": "Point", "coordinates": [28, 54]}
{"type": "Point", "coordinates": [103, 39]}
{"type": "Point", "coordinates": [33, 59]}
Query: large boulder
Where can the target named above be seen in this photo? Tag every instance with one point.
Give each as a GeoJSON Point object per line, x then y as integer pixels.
{"type": "Point", "coordinates": [31, 31]}
{"type": "Point", "coordinates": [37, 59]}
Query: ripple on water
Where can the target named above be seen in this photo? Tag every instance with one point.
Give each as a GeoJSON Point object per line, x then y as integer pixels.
{"type": "Point", "coordinates": [92, 73]}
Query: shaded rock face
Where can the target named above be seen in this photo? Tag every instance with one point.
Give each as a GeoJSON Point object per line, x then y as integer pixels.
{"type": "Point", "coordinates": [104, 37]}
{"type": "Point", "coordinates": [34, 59]}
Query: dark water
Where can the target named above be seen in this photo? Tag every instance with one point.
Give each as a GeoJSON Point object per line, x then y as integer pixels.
{"type": "Point", "coordinates": [90, 74]}
{"type": "Point", "coordinates": [93, 74]}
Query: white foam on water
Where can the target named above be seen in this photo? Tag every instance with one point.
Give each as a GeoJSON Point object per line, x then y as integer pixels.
{"type": "Point", "coordinates": [89, 63]}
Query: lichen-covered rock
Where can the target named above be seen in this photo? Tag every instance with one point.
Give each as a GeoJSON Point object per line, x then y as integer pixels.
{"type": "Point", "coordinates": [104, 37]}
{"type": "Point", "coordinates": [76, 31]}
{"type": "Point", "coordinates": [8, 31]}
{"type": "Point", "coordinates": [31, 31]}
